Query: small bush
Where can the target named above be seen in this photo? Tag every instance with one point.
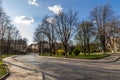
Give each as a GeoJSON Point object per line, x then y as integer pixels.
{"type": "Point", "coordinates": [76, 52]}
{"type": "Point", "coordinates": [60, 51]}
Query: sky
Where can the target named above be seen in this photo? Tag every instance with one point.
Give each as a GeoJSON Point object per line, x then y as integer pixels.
{"type": "Point", "coordinates": [26, 15]}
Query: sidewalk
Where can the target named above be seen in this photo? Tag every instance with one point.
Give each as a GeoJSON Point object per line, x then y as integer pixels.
{"type": "Point", "coordinates": [20, 71]}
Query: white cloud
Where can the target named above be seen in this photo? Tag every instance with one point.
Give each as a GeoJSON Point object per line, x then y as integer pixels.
{"type": "Point", "coordinates": [33, 2]}
{"type": "Point", "coordinates": [94, 21]}
{"type": "Point", "coordinates": [25, 26]}
{"type": "Point", "coordinates": [56, 9]}
{"type": "Point", "coordinates": [51, 20]}
{"type": "Point", "coordinates": [25, 20]}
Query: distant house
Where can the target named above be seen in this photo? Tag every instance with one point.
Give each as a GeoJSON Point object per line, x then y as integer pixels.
{"type": "Point", "coordinates": [113, 44]}
{"type": "Point", "coordinates": [44, 46]}
{"type": "Point", "coordinates": [33, 48]}
{"type": "Point", "coordinates": [36, 47]}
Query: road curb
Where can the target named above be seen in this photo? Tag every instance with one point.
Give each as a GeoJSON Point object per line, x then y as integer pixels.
{"type": "Point", "coordinates": [7, 74]}
{"type": "Point", "coordinates": [14, 56]}
{"type": "Point", "coordinates": [87, 60]}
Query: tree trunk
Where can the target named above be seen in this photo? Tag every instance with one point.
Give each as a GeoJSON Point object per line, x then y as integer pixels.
{"type": "Point", "coordinates": [103, 45]}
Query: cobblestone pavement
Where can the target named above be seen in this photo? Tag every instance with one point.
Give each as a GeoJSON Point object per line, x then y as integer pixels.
{"type": "Point", "coordinates": [67, 69]}
{"type": "Point", "coordinates": [20, 71]}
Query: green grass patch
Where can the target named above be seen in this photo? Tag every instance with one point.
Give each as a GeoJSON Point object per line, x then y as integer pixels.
{"type": "Point", "coordinates": [4, 56]}
{"type": "Point", "coordinates": [3, 70]}
{"type": "Point", "coordinates": [1, 62]}
{"type": "Point", "coordinates": [91, 56]}
{"type": "Point", "coordinates": [81, 56]}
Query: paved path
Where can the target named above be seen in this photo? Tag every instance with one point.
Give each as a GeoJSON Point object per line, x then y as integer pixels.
{"type": "Point", "coordinates": [33, 67]}
{"type": "Point", "coordinates": [67, 69]}
{"type": "Point", "coordinates": [20, 71]}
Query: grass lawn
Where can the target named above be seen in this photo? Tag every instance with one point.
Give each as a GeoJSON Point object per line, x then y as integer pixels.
{"type": "Point", "coordinates": [91, 56]}
{"type": "Point", "coordinates": [81, 56]}
{"type": "Point", "coordinates": [3, 70]}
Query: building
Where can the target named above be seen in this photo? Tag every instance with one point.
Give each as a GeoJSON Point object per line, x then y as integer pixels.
{"type": "Point", "coordinates": [113, 44]}
{"type": "Point", "coordinates": [33, 48]}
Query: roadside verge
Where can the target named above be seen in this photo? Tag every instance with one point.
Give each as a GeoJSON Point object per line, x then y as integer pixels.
{"type": "Point", "coordinates": [7, 74]}
{"type": "Point", "coordinates": [108, 59]}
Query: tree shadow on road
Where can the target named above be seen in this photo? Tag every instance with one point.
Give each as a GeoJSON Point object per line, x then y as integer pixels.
{"type": "Point", "coordinates": [45, 76]}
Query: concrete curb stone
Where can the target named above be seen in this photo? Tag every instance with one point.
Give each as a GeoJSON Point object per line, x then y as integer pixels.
{"type": "Point", "coordinates": [111, 59]}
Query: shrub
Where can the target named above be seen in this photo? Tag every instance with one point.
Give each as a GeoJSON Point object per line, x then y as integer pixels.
{"type": "Point", "coordinates": [76, 52]}
{"type": "Point", "coordinates": [60, 51]}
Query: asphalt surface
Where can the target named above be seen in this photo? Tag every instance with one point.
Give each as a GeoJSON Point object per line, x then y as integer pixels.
{"type": "Point", "coordinates": [62, 69]}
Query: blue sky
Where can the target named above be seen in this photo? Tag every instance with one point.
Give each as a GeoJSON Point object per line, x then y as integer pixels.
{"type": "Point", "coordinates": [27, 14]}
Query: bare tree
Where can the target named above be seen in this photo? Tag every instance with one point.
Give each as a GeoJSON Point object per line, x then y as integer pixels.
{"type": "Point", "coordinates": [114, 35]}
{"type": "Point", "coordinates": [102, 15]}
{"type": "Point", "coordinates": [65, 26]}
{"type": "Point", "coordinates": [85, 35]}
{"type": "Point", "coordinates": [39, 37]}
{"type": "Point", "coordinates": [10, 31]}
{"type": "Point", "coordinates": [16, 38]}
{"type": "Point", "coordinates": [7, 32]}
{"type": "Point", "coordinates": [5, 22]}
{"type": "Point", "coordinates": [47, 29]}
{"type": "Point", "coordinates": [2, 28]}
